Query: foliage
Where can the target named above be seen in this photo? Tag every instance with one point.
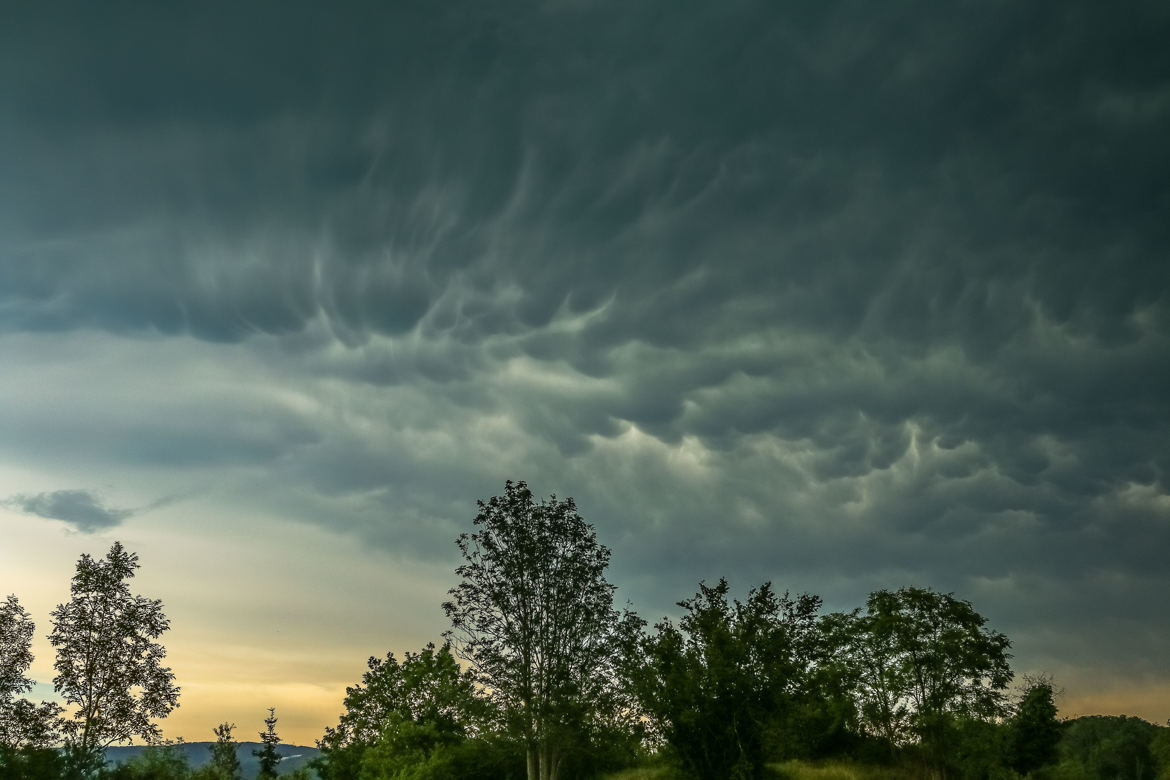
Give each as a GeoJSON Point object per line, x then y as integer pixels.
{"type": "Point", "coordinates": [1034, 730]}
{"type": "Point", "coordinates": [27, 725]}
{"type": "Point", "coordinates": [822, 717]}
{"type": "Point", "coordinates": [31, 763]}
{"type": "Point", "coordinates": [713, 683]}
{"type": "Point", "coordinates": [411, 752]}
{"type": "Point", "coordinates": [22, 723]}
{"type": "Point", "coordinates": [267, 754]}
{"type": "Point", "coordinates": [16, 630]}
{"type": "Point", "coordinates": [925, 658]}
{"type": "Point", "coordinates": [109, 664]}
{"type": "Point", "coordinates": [224, 760]}
{"type": "Point", "coordinates": [534, 615]}
{"type": "Point", "coordinates": [158, 762]}
{"type": "Point", "coordinates": [976, 749]}
{"type": "Point", "coordinates": [1160, 751]}
{"type": "Point", "coordinates": [1107, 746]}
{"type": "Point", "coordinates": [416, 706]}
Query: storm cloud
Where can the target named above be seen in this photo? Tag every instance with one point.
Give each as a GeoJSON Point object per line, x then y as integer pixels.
{"type": "Point", "coordinates": [840, 296]}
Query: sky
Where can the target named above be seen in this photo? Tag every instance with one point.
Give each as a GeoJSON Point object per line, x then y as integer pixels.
{"type": "Point", "coordinates": [842, 296]}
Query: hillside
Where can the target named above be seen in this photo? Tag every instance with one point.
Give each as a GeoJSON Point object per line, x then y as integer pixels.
{"type": "Point", "coordinates": [198, 753]}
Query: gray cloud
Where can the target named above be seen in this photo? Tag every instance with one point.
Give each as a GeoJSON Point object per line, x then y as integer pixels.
{"type": "Point", "coordinates": [840, 296]}
{"type": "Point", "coordinates": [79, 508]}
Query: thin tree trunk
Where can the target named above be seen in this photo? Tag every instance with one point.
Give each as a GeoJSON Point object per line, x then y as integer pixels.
{"type": "Point", "coordinates": [533, 772]}
{"type": "Point", "coordinates": [550, 762]}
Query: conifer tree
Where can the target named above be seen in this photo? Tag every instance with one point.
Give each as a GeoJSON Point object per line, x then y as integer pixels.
{"type": "Point", "coordinates": [267, 754]}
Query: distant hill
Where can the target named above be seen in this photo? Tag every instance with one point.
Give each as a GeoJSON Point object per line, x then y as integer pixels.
{"type": "Point", "coordinates": [199, 753]}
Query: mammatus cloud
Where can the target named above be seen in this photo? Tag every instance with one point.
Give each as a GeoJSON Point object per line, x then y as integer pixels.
{"type": "Point", "coordinates": [79, 508]}
{"type": "Point", "coordinates": [841, 296]}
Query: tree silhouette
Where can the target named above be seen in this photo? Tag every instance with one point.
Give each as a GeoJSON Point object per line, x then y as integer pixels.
{"type": "Point", "coordinates": [533, 614]}
{"type": "Point", "coordinates": [109, 662]}
{"type": "Point", "coordinates": [926, 659]}
{"type": "Point", "coordinates": [267, 754]}
{"type": "Point", "coordinates": [1034, 730]}
{"type": "Point", "coordinates": [729, 669]}
{"type": "Point", "coordinates": [22, 723]}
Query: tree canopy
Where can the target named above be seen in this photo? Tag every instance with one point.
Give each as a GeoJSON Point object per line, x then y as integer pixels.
{"type": "Point", "coordinates": [412, 707]}
{"type": "Point", "coordinates": [925, 658]}
{"type": "Point", "coordinates": [716, 681]}
{"type": "Point", "coordinates": [109, 660]}
{"type": "Point", "coordinates": [22, 723]}
{"type": "Point", "coordinates": [533, 614]}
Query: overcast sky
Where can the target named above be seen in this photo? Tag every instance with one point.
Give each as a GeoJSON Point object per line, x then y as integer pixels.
{"type": "Point", "coordinates": [838, 295]}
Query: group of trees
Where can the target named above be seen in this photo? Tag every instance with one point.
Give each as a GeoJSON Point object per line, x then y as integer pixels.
{"type": "Point", "coordinates": [111, 677]}
{"type": "Point", "coordinates": [559, 683]}
{"type": "Point", "coordinates": [109, 666]}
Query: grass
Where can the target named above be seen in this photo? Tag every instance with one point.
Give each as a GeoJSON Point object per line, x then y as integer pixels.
{"type": "Point", "coordinates": [835, 770]}
{"type": "Point", "coordinates": [789, 770]}
{"type": "Point", "coordinates": [644, 773]}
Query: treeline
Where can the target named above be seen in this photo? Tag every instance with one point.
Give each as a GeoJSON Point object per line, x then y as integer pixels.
{"type": "Point", "coordinates": [559, 683]}
{"type": "Point", "coordinates": [541, 677]}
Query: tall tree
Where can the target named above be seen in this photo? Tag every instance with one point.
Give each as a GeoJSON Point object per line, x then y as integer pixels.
{"type": "Point", "coordinates": [269, 739]}
{"type": "Point", "coordinates": [534, 614]}
{"type": "Point", "coordinates": [109, 660]}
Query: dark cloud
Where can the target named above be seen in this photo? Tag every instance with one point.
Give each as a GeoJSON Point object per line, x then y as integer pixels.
{"type": "Point", "coordinates": [840, 296]}
{"type": "Point", "coordinates": [79, 508]}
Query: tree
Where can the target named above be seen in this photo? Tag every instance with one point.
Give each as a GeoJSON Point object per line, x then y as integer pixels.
{"type": "Point", "coordinates": [533, 615]}
{"type": "Point", "coordinates": [224, 759]}
{"type": "Point", "coordinates": [1160, 750]}
{"type": "Point", "coordinates": [927, 658]}
{"type": "Point", "coordinates": [822, 720]}
{"type": "Point", "coordinates": [267, 754]}
{"type": "Point", "coordinates": [22, 723]}
{"type": "Point", "coordinates": [109, 662]}
{"type": "Point", "coordinates": [406, 710]}
{"type": "Point", "coordinates": [16, 630]}
{"type": "Point", "coordinates": [1110, 746]}
{"type": "Point", "coordinates": [714, 683]}
{"type": "Point", "coordinates": [32, 764]}
{"type": "Point", "coordinates": [1034, 730]}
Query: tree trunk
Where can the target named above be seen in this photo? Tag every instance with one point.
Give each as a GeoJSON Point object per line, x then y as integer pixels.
{"type": "Point", "coordinates": [550, 762]}
{"type": "Point", "coordinates": [533, 772]}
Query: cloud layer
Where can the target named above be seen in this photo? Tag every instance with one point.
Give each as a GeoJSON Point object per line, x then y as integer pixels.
{"type": "Point", "coordinates": [842, 297]}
